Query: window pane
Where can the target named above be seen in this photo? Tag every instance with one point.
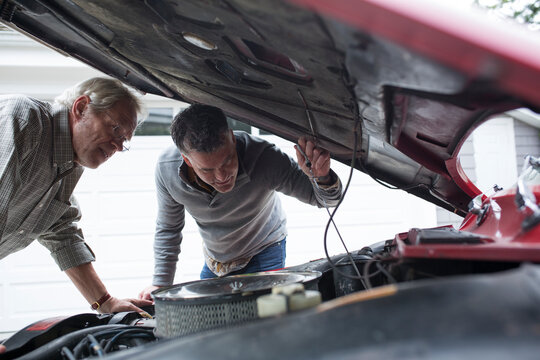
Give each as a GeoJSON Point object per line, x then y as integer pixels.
{"type": "Point", "coordinates": [237, 125]}
{"type": "Point", "coordinates": [158, 122]}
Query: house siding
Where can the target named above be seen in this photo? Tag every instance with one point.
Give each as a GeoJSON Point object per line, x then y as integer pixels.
{"type": "Point", "coordinates": [527, 142]}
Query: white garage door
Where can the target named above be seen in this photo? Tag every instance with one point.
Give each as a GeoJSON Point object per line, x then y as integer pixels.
{"type": "Point", "coordinates": [119, 209]}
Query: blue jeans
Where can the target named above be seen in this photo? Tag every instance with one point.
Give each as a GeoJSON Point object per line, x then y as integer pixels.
{"type": "Point", "coordinates": [271, 258]}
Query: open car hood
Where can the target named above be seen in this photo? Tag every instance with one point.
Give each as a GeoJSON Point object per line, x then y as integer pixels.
{"type": "Point", "coordinates": [401, 84]}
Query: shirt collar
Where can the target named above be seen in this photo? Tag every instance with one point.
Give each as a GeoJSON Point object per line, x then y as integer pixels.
{"type": "Point", "coordinates": [63, 155]}
{"type": "Point", "coordinates": [196, 181]}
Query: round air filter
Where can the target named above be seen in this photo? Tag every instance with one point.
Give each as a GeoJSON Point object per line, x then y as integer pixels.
{"type": "Point", "coordinates": [197, 306]}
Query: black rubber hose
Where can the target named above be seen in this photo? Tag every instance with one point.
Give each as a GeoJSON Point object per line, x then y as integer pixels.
{"type": "Point", "coordinates": [53, 349]}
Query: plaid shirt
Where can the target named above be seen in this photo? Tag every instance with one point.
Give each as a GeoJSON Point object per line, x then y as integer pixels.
{"type": "Point", "coordinates": [37, 179]}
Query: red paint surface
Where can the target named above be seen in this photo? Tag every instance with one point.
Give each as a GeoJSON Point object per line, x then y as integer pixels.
{"type": "Point", "coordinates": [463, 39]}
{"type": "Point", "coordinates": [45, 324]}
{"type": "Point", "coordinates": [503, 237]}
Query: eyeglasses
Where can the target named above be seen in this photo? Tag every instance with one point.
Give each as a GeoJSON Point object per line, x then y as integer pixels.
{"type": "Point", "coordinates": [119, 134]}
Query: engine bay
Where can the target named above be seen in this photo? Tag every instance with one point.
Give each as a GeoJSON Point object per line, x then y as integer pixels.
{"type": "Point", "coordinates": [382, 276]}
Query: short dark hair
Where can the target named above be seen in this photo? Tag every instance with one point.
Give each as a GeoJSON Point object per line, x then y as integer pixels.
{"type": "Point", "coordinates": [200, 128]}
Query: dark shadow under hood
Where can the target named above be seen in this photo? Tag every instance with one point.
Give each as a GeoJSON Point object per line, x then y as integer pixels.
{"type": "Point", "coordinates": [398, 87]}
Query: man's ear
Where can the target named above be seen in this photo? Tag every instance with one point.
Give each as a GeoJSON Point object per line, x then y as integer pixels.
{"type": "Point", "coordinates": [79, 105]}
{"type": "Point", "coordinates": [232, 136]}
{"type": "Point", "coordinates": [187, 160]}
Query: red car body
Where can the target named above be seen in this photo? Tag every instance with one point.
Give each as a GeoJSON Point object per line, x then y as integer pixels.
{"type": "Point", "coordinates": [394, 88]}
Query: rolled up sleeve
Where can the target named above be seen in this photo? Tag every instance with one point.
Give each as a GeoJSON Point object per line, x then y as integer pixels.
{"type": "Point", "coordinates": [65, 240]}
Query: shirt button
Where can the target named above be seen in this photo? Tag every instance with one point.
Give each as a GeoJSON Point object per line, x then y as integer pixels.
{"type": "Point", "coordinates": [21, 232]}
{"type": "Point", "coordinates": [40, 205]}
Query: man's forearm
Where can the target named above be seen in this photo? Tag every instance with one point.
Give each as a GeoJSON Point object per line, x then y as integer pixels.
{"type": "Point", "coordinates": [164, 272]}
{"type": "Point", "coordinates": [85, 278]}
{"type": "Point", "coordinates": [87, 281]}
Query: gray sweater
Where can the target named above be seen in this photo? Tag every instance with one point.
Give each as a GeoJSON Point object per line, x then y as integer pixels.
{"type": "Point", "coordinates": [237, 224]}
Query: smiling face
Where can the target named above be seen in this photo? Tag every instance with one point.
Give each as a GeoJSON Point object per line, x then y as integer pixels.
{"type": "Point", "coordinates": [218, 168]}
{"type": "Point", "coordinates": [97, 136]}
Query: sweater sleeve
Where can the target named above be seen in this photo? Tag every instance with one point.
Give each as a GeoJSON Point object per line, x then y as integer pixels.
{"type": "Point", "coordinates": [287, 177]}
{"type": "Point", "coordinates": [168, 237]}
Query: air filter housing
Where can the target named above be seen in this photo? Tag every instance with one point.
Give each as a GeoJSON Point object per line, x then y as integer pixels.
{"type": "Point", "coordinates": [197, 306]}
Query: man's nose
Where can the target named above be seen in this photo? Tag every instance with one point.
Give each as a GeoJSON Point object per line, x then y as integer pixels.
{"type": "Point", "coordinates": [118, 144]}
{"type": "Point", "coordinates": [221, 174]}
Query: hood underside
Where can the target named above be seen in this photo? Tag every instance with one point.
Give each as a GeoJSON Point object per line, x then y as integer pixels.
{"type": "Point", "coordinates": [398, 89]}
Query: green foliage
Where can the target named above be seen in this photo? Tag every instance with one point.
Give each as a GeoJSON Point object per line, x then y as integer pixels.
{"type": "Point", "coordinates": [527, 12]}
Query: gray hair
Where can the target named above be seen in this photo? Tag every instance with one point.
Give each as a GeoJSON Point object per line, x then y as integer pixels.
{"type": "Point", "coordinates": [104, 93]}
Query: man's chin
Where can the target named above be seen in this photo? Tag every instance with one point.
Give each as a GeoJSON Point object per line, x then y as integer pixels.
{"type": "Point", "coordinates": [89, 164]}
{"type": "Point", "coordinates": [225, 188]}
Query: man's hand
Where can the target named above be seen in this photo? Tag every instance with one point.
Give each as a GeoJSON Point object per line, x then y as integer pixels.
{"type": "Point", "coordinates": [318, 158]}
{"type": "Point", "coordinates": [87, 281]}
{"type": "Point", "coordinates": [116, 305]}
{"type": "Point", "coordinates": [2, 349]}
{"type": "Point", "coordinates": [145, 294]}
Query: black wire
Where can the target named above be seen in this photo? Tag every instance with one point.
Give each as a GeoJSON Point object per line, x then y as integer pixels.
{"type": "Point", "coordinates": [67, 353]}
{"type": "Point", "coordinates": [367, 276]}
{"type": "Point", "coordinates": [94, 346]}
{"type": "Point", "coordinates": [388, 186]}
{"type": "Point", "coordinates": [380, 269]}
{"type": "Point", "coordinates": [128, 341]}
{"type": "Point", "coordinates": [103, 342]}
{"type": "Point", "coordinates": [314, 182]}
{"type": "Point", "coordinates": [364, 278]}
{"type": "Point", "coordinates": [78, 349]}
{"type": "Point", "coordinates": [331, 219]}
{"type": "Point", "coordinates": [366, 273]}
{"type": "Point", "coordinates": [131, 333]}
{"type": "Point", "coordinates": [385, 272]}
{"type": "Point", "coordinates": [103, 333]}
{"type": "Point", "coordinates": [100, 339]}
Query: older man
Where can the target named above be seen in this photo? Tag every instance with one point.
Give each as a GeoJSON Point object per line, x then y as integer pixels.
{"type": "Point", "coordinates": [44, 149]}
{"type": "Point", "coordinates": [228, 182]}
